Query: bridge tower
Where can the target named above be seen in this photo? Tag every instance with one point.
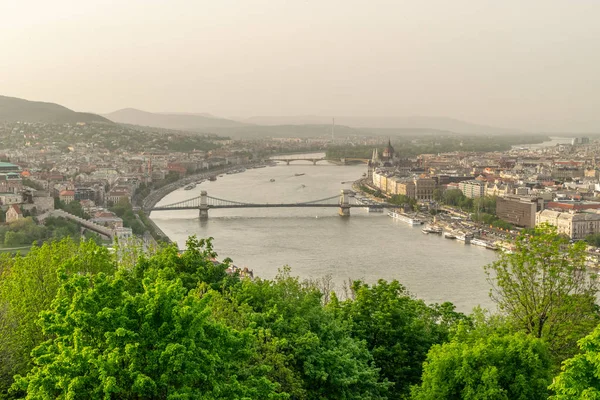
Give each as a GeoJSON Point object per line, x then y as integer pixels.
{"type": "Point", "coordinates": [345, 203]}
{"type": "Point", "coordinates": [203, 209]}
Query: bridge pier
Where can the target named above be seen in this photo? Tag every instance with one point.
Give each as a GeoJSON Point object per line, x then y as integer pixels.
{"type": "Point", "coordinates": [344, 210]}
{"type": "Point", "coordinates": [203, 209]}
{"type": "Point", "coordinates": [314, 162]}
{"type": "Point", "coordinates": [287, 162]}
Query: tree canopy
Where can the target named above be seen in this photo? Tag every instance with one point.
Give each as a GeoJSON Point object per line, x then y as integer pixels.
{"type": "Point", "coordinates": [546, 289]}
{"type": "Point", "coordinates": [493, 367]}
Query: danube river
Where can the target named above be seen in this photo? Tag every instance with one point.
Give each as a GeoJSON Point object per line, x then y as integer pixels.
{"type": "Point", "coordinates": [317, 242]}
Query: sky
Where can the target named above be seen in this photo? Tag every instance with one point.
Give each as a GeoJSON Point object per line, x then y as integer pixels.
{"type": "Point", "coordinates": [525, 64]}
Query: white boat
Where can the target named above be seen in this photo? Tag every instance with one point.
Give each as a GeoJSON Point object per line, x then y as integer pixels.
{"type": "Point", "coordinates": [465, 237]}
{"type": "Point", "coordinates": [432, 229]}
{"type": "Point", "coordinates": [405, 218]}
{"type": "Point", "coordinates": [449, 235]}
{"type": "Point", "coordinates": [479, 242]}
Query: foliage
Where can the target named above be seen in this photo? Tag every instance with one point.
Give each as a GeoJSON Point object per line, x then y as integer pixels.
{"type": "Point", "coordinates": [456, 198]}
{"type": "Point", "coordinates": [401, 200]}
{"type": "Point", "coordinates": [579, 377]}
{"type": "Point", "coordinates": [493, 366]}
{"type": "Point", "coordinates": [309, 353]}
{"type": "Point", "coordinates": [397, 329]}
{"type": "Point", "coordinates": [123, 209]}
{"type": "Point", "coordinates": [376, 193]}
{"type": "Point", "coordinates": [113, 338]}
{"type": "Point", "coordinates": [32, 184]}
{"type": "Point", "coordinates": [492, 220]}
{"type": "Point", "coordinates": [28, 285]}
{"type": "Point", "coordinates": [73, 207]}
{"type": "Point", "coordinates": [593, 240]}
{"type": "Point", "coordinates": [25, 231]}
{"type": "Point", "coordinates": [546, 289]}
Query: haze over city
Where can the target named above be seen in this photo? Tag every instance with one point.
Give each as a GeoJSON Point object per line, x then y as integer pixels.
{"type": "Point", "coordinates": [521, 65]}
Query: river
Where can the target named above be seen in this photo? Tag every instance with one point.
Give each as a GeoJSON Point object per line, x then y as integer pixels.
{"type": "Point", "coordinates": [554, 140]}
{"type": "Point", "coordinates": [316, 242]}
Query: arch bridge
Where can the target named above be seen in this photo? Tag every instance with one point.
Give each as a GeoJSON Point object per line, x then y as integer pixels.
{"type": "Point", "coordinates": [344, 202]}
{"type": "Point", "coordinates": [289, 160]}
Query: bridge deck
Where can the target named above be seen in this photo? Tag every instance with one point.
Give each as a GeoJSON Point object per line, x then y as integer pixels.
{"type": "Point", "coordinates": [266, 205]}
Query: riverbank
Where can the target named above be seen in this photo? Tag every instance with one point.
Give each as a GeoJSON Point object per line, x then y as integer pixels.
{"type": "Point", "coordinates": [157, 195]}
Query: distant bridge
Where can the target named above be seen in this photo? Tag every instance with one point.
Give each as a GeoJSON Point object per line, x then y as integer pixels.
{"type": "Point", "coordinates": [343, 160]}
{"type": "Point", "coordinates": [289, 160]}
{"type": "Point", "coordinates": [344, 201]}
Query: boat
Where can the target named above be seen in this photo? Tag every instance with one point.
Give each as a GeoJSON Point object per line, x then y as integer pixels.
{"type": "Point", "coordinates": [260, 166]}
{"type": "Point", "coordinates": [271, 180]}
{"type": "Point", "coordinates": [466, 237]}
{"type": "Point", "coordinates": [479, 242]}
{"type": "Point", "coordinates": [490, 246]}
{"type": "Point", "coordinates": [212, 178]}
{"type": "Point", "coordinates": [299, 174]}
{"type": "Point", "coordinates": [303, 185]}
{"type": "Point", "coordinates": [449, 235]}
{"type": "Point", "coordinates": [432, 229]}
{"type": "Point", "coordinates": [190, 186]}
{"type": "Point", "coordinates": [405, 218]}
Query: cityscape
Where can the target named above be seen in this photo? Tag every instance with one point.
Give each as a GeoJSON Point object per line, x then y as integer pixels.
{"type": "Point", "coordinates": [299, 200]}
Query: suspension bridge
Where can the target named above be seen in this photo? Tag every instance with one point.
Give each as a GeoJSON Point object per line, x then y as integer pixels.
{"type": "Point", "coordinates": [344, 202]}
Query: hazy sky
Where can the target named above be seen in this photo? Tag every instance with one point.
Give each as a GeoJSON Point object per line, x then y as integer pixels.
{"type": "Point", "coordinates": [530, 64]}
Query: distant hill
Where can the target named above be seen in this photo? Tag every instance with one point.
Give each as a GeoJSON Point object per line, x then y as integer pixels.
{"type": "Point", "coordinates": [432, 123]}
{"type": "Point", "coordinates": [177, 121]}
{"type": "Point", "coordinates": [13, 109]}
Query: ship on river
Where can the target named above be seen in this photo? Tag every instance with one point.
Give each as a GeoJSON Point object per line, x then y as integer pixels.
{"type": "Point", "coordinates": [411, 220]}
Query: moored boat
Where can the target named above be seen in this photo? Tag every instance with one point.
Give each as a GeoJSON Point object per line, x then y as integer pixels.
{"type": "Point", "coordinates": [405, 218]}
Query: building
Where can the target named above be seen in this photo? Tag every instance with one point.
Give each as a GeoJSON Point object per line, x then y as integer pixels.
{"type": "Point", "coordinates": [580, 140]}
{"type": "Point", "coordinates": [119, 194]}
{"type": "Point", "coordinates": [11, 183]}
{"type": "Point", "coordinates": [424, 188]}
{"type": "Point", "coordinates": [576, 225]}
{"type": "Point", "coordinates": [13, 213]}
{"type": "Point", "coordinates": [406, 188]}
{"type": "Point", "coordinates": [66, 196]}
{"type": "Point", "coordinates": [108, 219]}
{"type": "Point", "coordinates": [517, 210]}
{"type": "Point", "coordinates": [573, 205]}
{"type": "Point", "coordinates": [10, 198]}
{"type": "Point", "coordinates": [6, 167]}
{"type": "Point", "coordinates": [472, 189]}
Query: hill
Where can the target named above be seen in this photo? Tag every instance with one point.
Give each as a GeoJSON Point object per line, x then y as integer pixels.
{"type": "Point", "coordinates": [417, 122]}
{"type": "Point", "coordinates": [13, 109]}
{"type": "Point", "coordinates": [177, 121]}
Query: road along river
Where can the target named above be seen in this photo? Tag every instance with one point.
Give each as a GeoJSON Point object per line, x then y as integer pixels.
{"type": "Point", "coordinates": [316, 242]}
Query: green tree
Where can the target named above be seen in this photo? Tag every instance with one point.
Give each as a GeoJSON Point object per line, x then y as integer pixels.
{"type": "Point", "coordinates": [453, 197]}
{"type": "Point", "coordinates": [492, 367]}
{"type": "Point", "coordinates": [111, 340]}
{"type": "Point", "coordinates": [397, 329]}
{"type": "Point", "coordinates": [546, 289]}
{"type": "Point", "coordinates": [579, 377]}
{"type": "Point", "coordinates": [311, 354]}
{"type": "Point", "coordinates": [28, 285]}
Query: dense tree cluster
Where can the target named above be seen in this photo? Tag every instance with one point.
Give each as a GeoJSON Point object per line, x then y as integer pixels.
{"type": "Point", "coordinates": [78, 321]}
{"type": "Point", "coordinates": [25, 231]}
